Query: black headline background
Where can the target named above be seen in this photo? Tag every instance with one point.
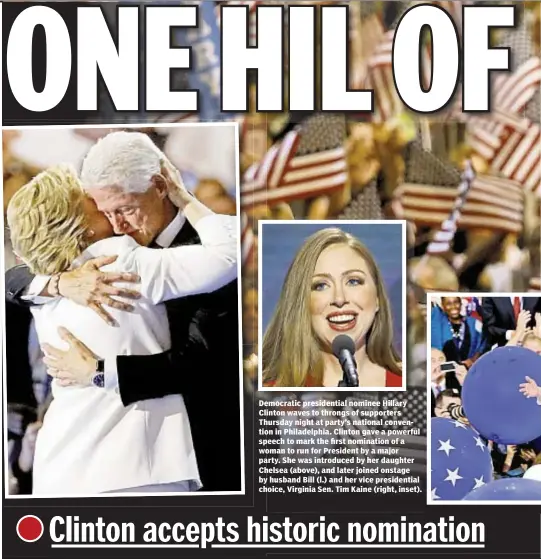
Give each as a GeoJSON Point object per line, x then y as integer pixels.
{"type": "Point", "coordinates": [510, 530]}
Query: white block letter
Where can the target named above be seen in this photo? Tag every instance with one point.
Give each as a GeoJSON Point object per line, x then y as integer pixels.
{"type": "Point", "coordinates": [96, 49]}
{"type": "Point", "coordinates": [161, 58]}
{"type": "Point", "coordinates": [237, 58]}
{"type": "Point", "coordinates": [408, 52]}
{"type": "Point", "coordinates": [19, 58]}
{"type": "Point", "coordinates": [479, 59]}
{"type": "Point", "coordinates": [302, 62]}
{"type": "Point", "coordinates": [335, 94]}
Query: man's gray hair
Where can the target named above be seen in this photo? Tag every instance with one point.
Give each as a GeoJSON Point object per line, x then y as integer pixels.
{"type": "Point", "coordinates": [128, 160]}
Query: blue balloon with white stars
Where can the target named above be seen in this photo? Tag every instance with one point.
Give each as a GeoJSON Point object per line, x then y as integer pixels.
{"type": "Point", "coordinates": [508, 489]}
{"type": "Point", "coordinates": [460, 460]}
{"type": "Point", "coordinates": [492, 399]}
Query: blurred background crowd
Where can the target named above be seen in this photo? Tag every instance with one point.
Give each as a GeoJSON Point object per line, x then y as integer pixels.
{"type": "Point", "coordinates": [391, 164]}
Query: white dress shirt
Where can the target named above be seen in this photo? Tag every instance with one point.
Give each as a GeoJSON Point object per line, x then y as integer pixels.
{"type": "Point", "coordinates": [167, 236]}
{"type": "Point", "coordinates": [509, 333]}
{"type": "Point", "coordinates": [90, 443]}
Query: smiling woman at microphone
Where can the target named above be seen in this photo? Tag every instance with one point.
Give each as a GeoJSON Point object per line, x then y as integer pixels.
{"type": "Point", "coordinates": [333, 288]}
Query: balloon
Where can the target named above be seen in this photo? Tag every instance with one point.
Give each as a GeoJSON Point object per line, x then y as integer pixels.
{"type": "Point", "coordinates": [492, 400]}
{"type": "Point", "coordinates": [507, 489]}
{"type": "Point", "coordinates": [460, 460]}
{"type": "Point", "coordinates": [533, 473]}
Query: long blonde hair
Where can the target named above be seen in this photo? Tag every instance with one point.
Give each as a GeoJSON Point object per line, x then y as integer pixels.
{"type": "Point", "coordinates": [290, 350]}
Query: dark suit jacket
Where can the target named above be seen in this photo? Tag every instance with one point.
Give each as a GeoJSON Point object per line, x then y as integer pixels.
{"type": "Point", "coordinates": [19, 385]}
{"type": "Point", "coordinates": [498, 316]}
{"type": "Point", "coordinates": [203, 366]}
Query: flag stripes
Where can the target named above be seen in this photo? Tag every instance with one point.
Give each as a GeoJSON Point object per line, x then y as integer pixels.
{"type": "Point", "coordinates": [519, 158]}
{"type": "Point", "coordinates": [512, 144]}
{"type": "Point", "coordinates": [492, 203]}
{"type": "Point", "coordinates": [441, 243]}
{"type": "Point", "coordinates": [283, 176]}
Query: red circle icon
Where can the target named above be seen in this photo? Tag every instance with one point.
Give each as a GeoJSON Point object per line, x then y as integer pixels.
{"type": "Point", "coordinates": [30, 528]}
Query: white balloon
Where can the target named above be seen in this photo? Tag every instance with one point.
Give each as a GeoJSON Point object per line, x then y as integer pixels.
{"type": "Point", "coordinates": [533, 473]}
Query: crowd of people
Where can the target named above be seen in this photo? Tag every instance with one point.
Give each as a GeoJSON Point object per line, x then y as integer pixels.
{"type": "Point", "coordinates": [463, 329]}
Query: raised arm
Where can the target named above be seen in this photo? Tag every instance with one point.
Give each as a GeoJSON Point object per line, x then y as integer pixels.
{"type": "Point", "coordinates": [521, 330]}
{"type": "Point", "coordinates": [87, 286]}
{"type": "Point", "coordinates": [189, 270]}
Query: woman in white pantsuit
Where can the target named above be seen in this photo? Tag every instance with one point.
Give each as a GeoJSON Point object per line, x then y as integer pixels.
{"type": "Point", "coordinates": [90, 442]}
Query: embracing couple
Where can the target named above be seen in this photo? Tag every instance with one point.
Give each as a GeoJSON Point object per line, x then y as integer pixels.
{"type": "Point", "coordinates": [132, 284]}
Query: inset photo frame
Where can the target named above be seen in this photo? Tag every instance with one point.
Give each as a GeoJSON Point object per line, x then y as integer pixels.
{"type": "Point", "coordinates": [483, 398]}
{"type": "Point", "coordinates": [332, 300]}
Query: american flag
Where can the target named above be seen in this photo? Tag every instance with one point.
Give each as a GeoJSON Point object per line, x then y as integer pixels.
{"type": "Point", "coordinates": [512, 93]}
{"type": "Point", "coordinates": [472, 307]}
{"type": "Point", "coordinates": [284, 176]}
{"type": "Point", "coordinates": [519, 157]}
{"type": "Point", "coordinates": [366, 34]}
{"type": "Point", "coordinates": [379, 75]}
{"type": "Point", "coordinates": [441, 243]}
{"type": "Point", "coordinates": [492, 203]}
{"type": "Point", "coordinates": [487, 142]}
{"type": "Point", "coordinates": [510, 143]}
{"type": "Point", "coordinates": [387, 102]}
{"type": "Point", "coordinates": [454, 9]}
{"type": "Point", "coordinates": [460, 460]}
{"type": "Point", "coordinates": [379, 78]}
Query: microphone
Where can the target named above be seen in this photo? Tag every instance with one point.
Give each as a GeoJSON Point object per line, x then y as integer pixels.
{"type": "Point", "coordinates": [343, 349]}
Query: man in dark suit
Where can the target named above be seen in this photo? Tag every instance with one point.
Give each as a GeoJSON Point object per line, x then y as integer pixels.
{"type": "Point", "coordinates": [133, 183]}
{"type": "Point", "coordinates": [500, 316]}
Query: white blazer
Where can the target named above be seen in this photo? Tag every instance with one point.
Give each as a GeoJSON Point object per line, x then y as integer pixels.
{"type": "Point", "coordinates": [89, 442]}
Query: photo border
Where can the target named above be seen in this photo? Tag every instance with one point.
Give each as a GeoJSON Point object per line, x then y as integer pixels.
{"type": "Point", "coordinates": [429, 297]}
{"type": "Point", "coordinates": [332, 223]}
{"type": "Point", "coordinates": [139, 127]}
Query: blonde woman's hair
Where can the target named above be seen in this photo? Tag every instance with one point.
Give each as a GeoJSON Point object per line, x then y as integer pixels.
{"type": "Point", "coordinates": [47, 222]}
{"type": "Point", "coordinates": [291, 350]}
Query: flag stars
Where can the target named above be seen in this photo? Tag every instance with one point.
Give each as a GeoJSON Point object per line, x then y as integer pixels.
{"type": "Point", "coordinates": [478, 482]}
{"type": "Point", "coordinates": [459, 424]}
{"type": "Point", "coordinates": [480, 443]}
{"type": "Point", "coordinates": [453, 476]}
{"type": "Point", "coordinates": [434, 495]}
{"type": "Point", "coordinates": [446, 446]}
